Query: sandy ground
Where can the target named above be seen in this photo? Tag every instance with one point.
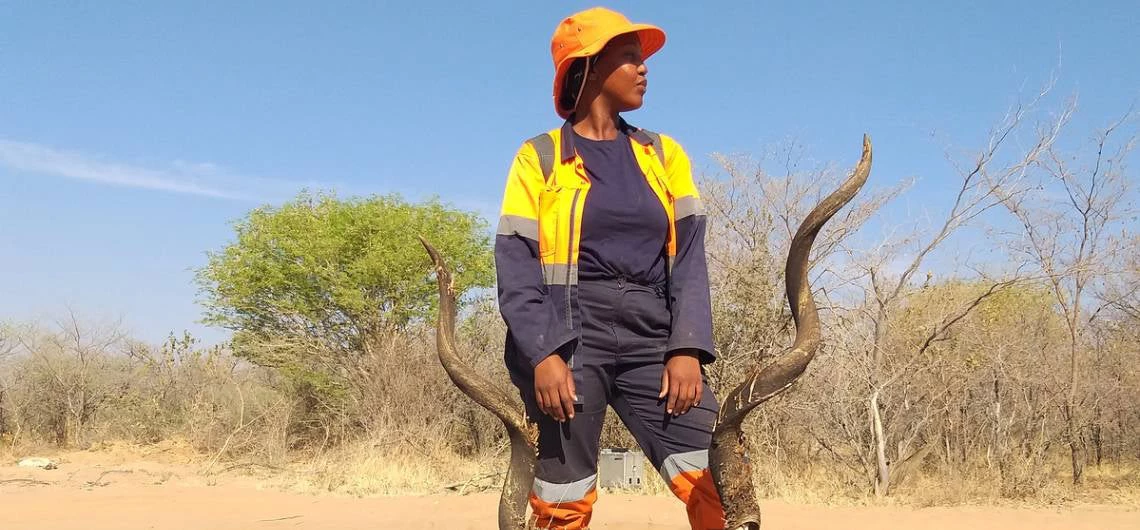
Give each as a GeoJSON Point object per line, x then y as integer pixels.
{"type": "Point", "coordinates": [94, 495]}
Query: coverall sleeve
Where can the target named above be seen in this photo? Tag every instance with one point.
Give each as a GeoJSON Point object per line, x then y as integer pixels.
{"type": "Point", "coordinates": [689, 280]}
{"type": "Point", "coordinates": [533, 322]}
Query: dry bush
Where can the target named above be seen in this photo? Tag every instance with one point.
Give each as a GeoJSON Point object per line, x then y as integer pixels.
{"type": "Point", "coordinates": [82, 383]}
{"type": "Point", "coordinates": [57, 382]}
{"type": "Point", "coordinates": [955, 387]}
{"type": "Point", "coordinates": [212, 399]}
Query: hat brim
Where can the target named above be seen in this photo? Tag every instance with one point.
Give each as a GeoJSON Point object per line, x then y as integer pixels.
{"type": "Point", "coordinates": [652, 40]}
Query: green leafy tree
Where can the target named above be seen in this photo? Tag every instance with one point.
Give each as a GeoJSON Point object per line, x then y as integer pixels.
{"type": "Point", "coordinates": [314, 286]}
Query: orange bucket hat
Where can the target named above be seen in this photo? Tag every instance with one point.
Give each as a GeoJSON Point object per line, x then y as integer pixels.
{"type": "Point", "coordinates": [585, 33]}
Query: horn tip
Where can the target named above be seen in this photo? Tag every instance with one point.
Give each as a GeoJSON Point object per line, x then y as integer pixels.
{"type": "Point", "coordinates": [432, 252]}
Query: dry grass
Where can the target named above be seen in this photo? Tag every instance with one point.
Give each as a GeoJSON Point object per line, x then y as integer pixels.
{"type": "Point", "coordinates": [7, 453]}
{"type": "Point", "coordinates": [383, 467]}
{"type": "Point", "coordinates": [364, 470]}
{"type": "Point", "coordinates": [377, 468]}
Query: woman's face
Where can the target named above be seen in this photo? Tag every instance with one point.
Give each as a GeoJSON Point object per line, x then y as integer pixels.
{"type": "Point", "coordinates": [622, 73]}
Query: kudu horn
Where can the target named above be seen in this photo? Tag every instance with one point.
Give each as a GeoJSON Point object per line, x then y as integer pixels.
{"type": "Point", "coordinates": [523, 435]}
{"type": "Point", "coordinates": [728, 454]}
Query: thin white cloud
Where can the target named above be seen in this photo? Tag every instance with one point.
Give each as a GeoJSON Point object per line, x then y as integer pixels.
{"type": "Point", "coordinates": [180, 177]}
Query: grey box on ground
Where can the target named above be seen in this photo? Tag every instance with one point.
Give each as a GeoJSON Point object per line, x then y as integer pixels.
{"type": "Point", "coordinates": [620, 468]}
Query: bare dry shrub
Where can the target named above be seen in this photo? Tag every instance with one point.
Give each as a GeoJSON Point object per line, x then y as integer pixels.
{"type": "Point", "coordinates": [79, 383]}
{"type": "Point", "coordinates": [944, 377]}
{"type": "Point", "coordinates": [58, 381]}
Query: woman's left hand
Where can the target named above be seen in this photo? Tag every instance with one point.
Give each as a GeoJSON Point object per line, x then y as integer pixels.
{"type": "Point", "coordinates": [681, 382]}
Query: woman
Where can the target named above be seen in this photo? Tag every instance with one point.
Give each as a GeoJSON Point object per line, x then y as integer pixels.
{"type": "Point", "coordinates": [603, 282]}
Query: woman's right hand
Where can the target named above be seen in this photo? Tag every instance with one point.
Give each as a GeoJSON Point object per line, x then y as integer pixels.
{"type": "Point", "coordinates": [554, 388]}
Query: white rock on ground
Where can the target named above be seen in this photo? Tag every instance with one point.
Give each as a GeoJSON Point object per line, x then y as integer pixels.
{"type": "Point", "coordinates": [36, 461]}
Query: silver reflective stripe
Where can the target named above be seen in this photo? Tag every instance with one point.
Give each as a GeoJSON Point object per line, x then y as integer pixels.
{"type": "Point", "coordinates": [560, 273]}
{"type": "Point", "coordinates": [669, 264]}
{"type": "Point", "coordinates": [510, 225]}
{"type": "Point", "coordinates": [657, 146]}
{"type": "Point", "coordinates": [556, 493]}
{"type": "Point", "coordinates": [686, 206]}
{"type": "Point", "coordinates": [676, 464]}
{"type": "Point", "coordinates": [544, 147]}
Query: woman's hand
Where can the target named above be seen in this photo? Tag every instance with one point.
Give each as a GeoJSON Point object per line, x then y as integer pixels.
{"type": "Point", "coordinates": [554, 388]}
{"type": "Point", "coordinates": [682, 382]}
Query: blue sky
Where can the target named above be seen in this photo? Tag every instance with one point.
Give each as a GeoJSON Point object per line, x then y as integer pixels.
{"type": "Point", "coordinates": [132, 134]}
